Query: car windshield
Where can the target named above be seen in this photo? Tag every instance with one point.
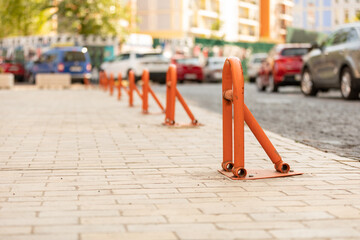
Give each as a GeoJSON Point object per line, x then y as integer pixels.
{"type": "Point", "coordinates": [258, 60]}
{"type": "Point", "coordinates": [294, 51]}
{"type": "Point", "coordinates": [74, 57]}
{"type": "Point", "coordinates": [189, 61]}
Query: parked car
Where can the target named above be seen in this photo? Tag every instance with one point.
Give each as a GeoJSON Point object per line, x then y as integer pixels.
{"type": "Point", "coordinates": [282, 67]}
{"type": "Point", "coordinates": [254, 65]}
{"type": "Point", "coordinates": [73, 60]}
{"type": "Point", "coordinates": [213, 69]}
{"type": "Point", "coordinates": [14, 67]}
{"type": "Point", "coordinates": [334, 64]}
{"type": "Point", "coordinates": [155, 62]}
{"type": "Point", "coordinates": [188, 69]}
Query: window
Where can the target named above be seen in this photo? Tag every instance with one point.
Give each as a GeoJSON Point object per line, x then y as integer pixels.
{"type": "Point", "coordinates": [327, 18]}
{"type": "Point", "coordinates": [51, 58]}
{"type": "Point", "coordinates": [340, 37]}
{"type": "Point", "coordinates": [123, 57]}
{"type": "Point", "coordinates": [327, 3]}
{"type": "Point", "coordinates": [329, 40]}
{"type": "Point", "coordinates": [294, 51]}
{"type": "Point", "coordinates": [352, 35]}
{"type": "Point", "coordinates": [74, 57]}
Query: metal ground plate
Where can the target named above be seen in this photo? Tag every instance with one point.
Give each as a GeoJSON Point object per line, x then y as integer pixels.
{"type": "Point", "coordinates": [259, 174]}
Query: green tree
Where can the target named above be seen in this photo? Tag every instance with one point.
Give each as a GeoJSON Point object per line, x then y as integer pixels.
{"type": "Point", "coordinates": [99, 17]}
{"type": "Point", "coordinates": [23, 17]}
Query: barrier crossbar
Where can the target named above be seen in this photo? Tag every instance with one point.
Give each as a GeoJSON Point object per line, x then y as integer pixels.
{"type": "Point", "coordinates": [233, 94]}
{"type": "Point", "coordinates": [132, 88]}
{"type": "Point", "coordinates": [146, 89]}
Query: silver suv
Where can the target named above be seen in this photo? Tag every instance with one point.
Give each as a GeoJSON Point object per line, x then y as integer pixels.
{"type": "Point", "coordinates": [334, 64]}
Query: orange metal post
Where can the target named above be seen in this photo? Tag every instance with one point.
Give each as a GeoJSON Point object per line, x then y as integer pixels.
{"type": "Point", "coordinates": [185, 106]}
{"type": "Point", "coordinates": [167, 116]}
{"type": "Point", "coordinates": [131, 87]}
{"type": "Point", "coordinates": [171, 79]}
{"type": "Point", "coordinates": [111, 84]}
{"type": "Point", "coordinates": [233, 76]}
{"type": "Point", "coordinates": [106, 82]}
{"type": "Point", "coordinates": [227, 163]}
{"type": "Point", "coordinates": [145, 90]}
{"type": "Point", "coordinates": [86, 82]}
{"type": "Point", "coordinates": [119, 86]}
{"type": "Point", "coordinates": [264, 141]}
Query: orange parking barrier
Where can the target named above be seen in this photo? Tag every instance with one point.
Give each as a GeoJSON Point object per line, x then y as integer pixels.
{"type": "Point", "coordinates": [111, 84]}
{"type": "Point", "coordinates": [233, 93]}
{"type": "Point", "coordinates": [119, 86]}
{"type": "Point", "coordinates": [132, 88]}
{"type": "Point", "coordinates": [146, 89]}
{"type": "Point", "coordinates": [171, 94]}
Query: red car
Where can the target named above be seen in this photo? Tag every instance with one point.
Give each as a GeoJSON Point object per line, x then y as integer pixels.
{"type": "Point", "coordinates": [15, 68]}
{"type": "Point", "coordinates": [282, 67]}
{"type": "Point", "coordinates": [189, 69]}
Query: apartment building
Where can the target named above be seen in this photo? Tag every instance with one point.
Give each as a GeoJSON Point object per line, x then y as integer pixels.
{"type": "Point", "coordinates": [230, 20]}
{"type": "Point", "coordinates": [324, 15]}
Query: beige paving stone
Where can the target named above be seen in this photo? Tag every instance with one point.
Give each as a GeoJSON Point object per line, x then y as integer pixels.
{"type": "Point", "coordinates": [329, 233]}
{"type": "Point", "coordinates": [122, 220]}
{"type": "Point", "coordinates": [41, 237]}
{"type": "Point", "coordinates": [14, 230]}
{"type": "Point", "coordinates": [221, 234]}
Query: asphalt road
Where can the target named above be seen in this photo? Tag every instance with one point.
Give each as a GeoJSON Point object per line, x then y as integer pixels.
{"type": "Point", "coordinates": [326, 122]}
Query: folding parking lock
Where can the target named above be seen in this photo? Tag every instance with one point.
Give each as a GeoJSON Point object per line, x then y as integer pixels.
{"type": "Point", "coordinates": [171, 94]}
{"type": "Point", "coordinates": [233, 94]}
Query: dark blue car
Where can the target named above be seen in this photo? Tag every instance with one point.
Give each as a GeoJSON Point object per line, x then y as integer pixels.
{"type": "Point", "coordinates": [73, 60]}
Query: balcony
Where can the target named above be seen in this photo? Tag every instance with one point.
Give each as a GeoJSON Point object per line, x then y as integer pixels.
{"type": "Point", "coordinates": [208, 13]}
{"type": "Point", "coordinates": [246, 21]}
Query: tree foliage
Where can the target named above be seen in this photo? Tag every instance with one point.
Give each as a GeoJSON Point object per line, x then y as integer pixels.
{"type": "Point", "coordinates": [30, 17]}
{"type": "Point", "coordinates": [23, 17]}
{"type": "Point", "coordinates": [100, 17]}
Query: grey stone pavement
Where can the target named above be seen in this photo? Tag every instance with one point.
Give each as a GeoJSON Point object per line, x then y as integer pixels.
{"type": "Point", "coordinates": [78, 164]}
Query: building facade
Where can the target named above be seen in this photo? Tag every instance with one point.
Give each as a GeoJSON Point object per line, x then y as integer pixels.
{"type": "Point", "coordinates": [230, 20]}
{"type": "Point", "coordinates": [324, 15]}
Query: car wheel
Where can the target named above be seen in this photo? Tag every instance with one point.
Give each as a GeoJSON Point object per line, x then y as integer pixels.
{"type": "Point", "coordinates": [272, 86]}
{"type": "Point", "coordinates": [259, 85]}
{"type": "Point", "coordinates": [307, 84]}
{"type": "Point", "coordinates": [347, 88]}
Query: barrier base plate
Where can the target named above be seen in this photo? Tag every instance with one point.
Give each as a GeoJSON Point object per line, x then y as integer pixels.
{"type": "Point", "coordinates": [183, 125]}
{"type": "Point", "coordinates": [153, 113]}
{"type": "Point", "coordinates": [259, 174]}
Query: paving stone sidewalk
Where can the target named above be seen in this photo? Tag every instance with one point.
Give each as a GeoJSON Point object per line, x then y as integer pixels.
{"type": "Point", "coordinates": [78, 164]}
